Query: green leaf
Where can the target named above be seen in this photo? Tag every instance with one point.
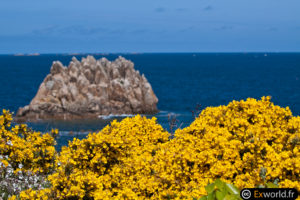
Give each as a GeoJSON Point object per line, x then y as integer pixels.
{"type": "Point", "coordinates": [203, 198]}
{"type": "Point", "coordinates": [232, 189]}
{"type": "Point", "coordinates": [211, 196]}
{"type": "Point", "coordinates": [228, 197]}
{"type": "Point", "coordinates": [210, 188]}
{"type": "Point", "coordinates": [271, 185]}
{"type": "Point", "coordinates": [237, 197]}
{"type": "Point", "coordinates": [276, 181]}
{"type": "Point", "coordinates": [219, 184]}
{"type": "Point", "coordinates": [220, 194]}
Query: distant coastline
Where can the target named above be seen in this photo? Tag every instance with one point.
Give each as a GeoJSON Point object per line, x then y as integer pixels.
{"type": "Point", "coordinates": [30, 54]}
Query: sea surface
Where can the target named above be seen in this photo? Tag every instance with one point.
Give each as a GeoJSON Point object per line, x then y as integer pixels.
{"type": "Point", "coordinates": [183, 82]}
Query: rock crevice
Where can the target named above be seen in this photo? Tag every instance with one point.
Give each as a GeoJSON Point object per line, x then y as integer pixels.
{"type": "Point", "coordinates": [91, 88]}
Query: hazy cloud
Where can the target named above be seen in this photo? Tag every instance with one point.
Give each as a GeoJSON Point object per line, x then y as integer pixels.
{"type": "Point", "coordinates": [190, 28]}
{"type": "Point", "coordinates": [82, 30]}
{"type": "Point", "coordinates": [272, 29]}
{"type": "Point", "coordinates": [139, 31]}
{"type": "Point", "coordinates": [117, 31]}
{"type": "Point", "coordinates": [223, 28]}
{"type": "Point", "coordinates": [70, 30]}
{"type": "Point", "coordinates": [46, 31]}
{"type": "Point", "coordinates": [160, 10]}
{"type": "Point", "coordinates": [181, 9]}
{"type": "Point", "coordinates": [208, 8]}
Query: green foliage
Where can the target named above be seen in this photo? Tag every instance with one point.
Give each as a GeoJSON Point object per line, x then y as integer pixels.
{"type": "Point", "coordinates": [220, 190]}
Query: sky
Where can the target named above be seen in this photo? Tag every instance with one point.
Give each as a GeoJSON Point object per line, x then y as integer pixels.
{"type": "Point", "coordinates": [137, 26]}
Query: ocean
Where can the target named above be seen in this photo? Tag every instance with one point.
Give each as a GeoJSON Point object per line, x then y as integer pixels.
{"type": "Point", "coordinates": [183, 82]}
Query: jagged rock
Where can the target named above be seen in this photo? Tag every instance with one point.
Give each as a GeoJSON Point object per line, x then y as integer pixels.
{"type": "Point", "coordinates": [91, 88]}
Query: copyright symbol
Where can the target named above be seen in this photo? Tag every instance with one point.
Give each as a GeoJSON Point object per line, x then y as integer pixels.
{"type": "Point", "coordinates": [246, 194]}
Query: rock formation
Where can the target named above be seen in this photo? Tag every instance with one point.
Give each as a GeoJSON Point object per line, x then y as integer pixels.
{"type": "Point", "coordinates": [91, 88]}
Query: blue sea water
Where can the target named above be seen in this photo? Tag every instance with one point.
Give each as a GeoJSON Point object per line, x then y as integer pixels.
{"type": "Point", "coordinates": [181, 81]}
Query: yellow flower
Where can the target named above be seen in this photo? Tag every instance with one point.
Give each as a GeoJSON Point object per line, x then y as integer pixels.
{"type": "Point", "coordinates": [247, 143]}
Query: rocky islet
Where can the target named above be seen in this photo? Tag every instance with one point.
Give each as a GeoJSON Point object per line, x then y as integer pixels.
{"type": "Point", "coordinates": [89, 88]}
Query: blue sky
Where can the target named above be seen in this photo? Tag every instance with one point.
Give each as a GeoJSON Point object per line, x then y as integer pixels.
{"type": "Point", "coordinates": [71, 26]}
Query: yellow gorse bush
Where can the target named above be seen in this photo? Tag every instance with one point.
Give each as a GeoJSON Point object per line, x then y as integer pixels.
{"type": "Point", "coordinates": [114, 163]}
{"type": "Point", "coordinates": [25, 150]}
{"type": "Point", "coordinates": [234, 143]}
{"type": "Point", "coordinates": [247, 143]}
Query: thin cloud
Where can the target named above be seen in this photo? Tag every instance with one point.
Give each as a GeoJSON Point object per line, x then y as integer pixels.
{"type": "Point", "coordinates": [190, 28]}
{"type": "Point", "coordinates": [224, 28]}
{"type": "Point", "coordinates": [181, 9]}
{"type": "Point", "coordinates": [273, 29]}
{"type": "Point", "coordinates": [117, 31]}
{"type": "Point", "coordinates": [139, 31]}
{"type": "Point", "coordinates": [70, 30]}
{"type": "Point", "coordinates": [46, 31]}
{"type": "Point", "coordinates": [82, 30]}
{"type": "Point", "coordinates": [160, 10]}
{"type": "Point", "coordinates": [208, 8]}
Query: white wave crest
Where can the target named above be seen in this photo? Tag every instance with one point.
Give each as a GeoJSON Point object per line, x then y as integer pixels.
{"type": "Point", "coordinates": [114, 116]}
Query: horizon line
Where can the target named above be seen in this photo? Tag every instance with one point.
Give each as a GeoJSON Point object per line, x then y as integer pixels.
{"type": "Point", "coordinates": [133, 53]}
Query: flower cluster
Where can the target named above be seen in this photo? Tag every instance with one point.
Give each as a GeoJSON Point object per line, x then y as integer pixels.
{"type": "Point", "coordinates": [26, 157]}
{"type": "Point", "coordinates": [246, 143]}
{"type": "Point", "coordinates": [114, 163]}
{"type": "Point", "coordinates": [235, 143]}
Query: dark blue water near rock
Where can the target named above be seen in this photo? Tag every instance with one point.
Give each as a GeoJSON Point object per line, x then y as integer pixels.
{"type": "Point", "coordinates": [180, 81]}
